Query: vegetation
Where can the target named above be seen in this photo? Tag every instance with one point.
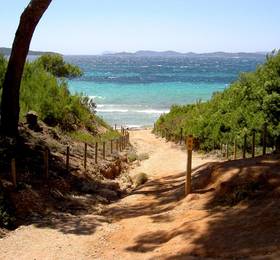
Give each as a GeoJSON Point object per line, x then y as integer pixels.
{"type": "Point", "coordinates": [245, 106]}
{"type": "Point", "coordinates": [140, 179]}
{"type": "Point", "coordinates": [43, 92]}
{"type": "Point", "coordinates": [55, 64]}
{"type": "Point", "coordinates": [10, 107]}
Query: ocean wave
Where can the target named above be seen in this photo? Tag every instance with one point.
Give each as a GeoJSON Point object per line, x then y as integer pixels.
{"type": "Point", "coordinates": [143, 111]}
{"type": "Point", "coordinates": [112, 110]}
{"type": "Point", "coordinates": [96, 97]}
{"type": "Point", "coordinates": [152, 111]}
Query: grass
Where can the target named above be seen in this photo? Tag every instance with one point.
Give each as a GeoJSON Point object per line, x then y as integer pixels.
{"type": "Point", "coordinates": [87, 137]}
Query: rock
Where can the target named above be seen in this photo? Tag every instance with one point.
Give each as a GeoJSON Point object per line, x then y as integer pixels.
{"type": "Point", "coordinates": [88, 187]}
{"type": "Point", "coordinates": [32, 121]}
{"type": "Point", "coordinates": [111, 171]}
{"type": "Point", "coordinates": [108, 194]}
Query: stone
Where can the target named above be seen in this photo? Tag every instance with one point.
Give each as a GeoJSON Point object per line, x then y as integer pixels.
{"type": "Point", "coordinates": [32, 121]}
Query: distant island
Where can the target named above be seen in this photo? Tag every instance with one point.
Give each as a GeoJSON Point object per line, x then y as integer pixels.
{"type": "Point", "coordinates": [148, 53]}
{"type": "Point", "coordinates": [7, 52]}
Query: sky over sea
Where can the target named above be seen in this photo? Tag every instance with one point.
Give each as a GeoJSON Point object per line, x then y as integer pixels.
{"type": "Point", "coordinates": [94, 26]}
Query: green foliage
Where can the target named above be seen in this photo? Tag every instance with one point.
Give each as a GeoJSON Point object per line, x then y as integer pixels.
{"type": "Point", "coordinates": [140, 179]}
{"type": "Point", "coordinates": [3, 66]}
{"type": "Point", "coordinates": [131, 157]}
{"type": "Point", "coordinates": [55, 64]}
{"type": "Point", "coordinates": [87, 137]}
{"type": "Point", "coordinates": [84, 137]}
{"type": "Point", "coordinates": [51, 99]}
{"type": "Point", "coordinates": [42, 91]}
{"type": "Point", "coordinates": [248, 103]}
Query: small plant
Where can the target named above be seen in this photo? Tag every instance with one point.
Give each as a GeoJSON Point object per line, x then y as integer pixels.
{"type": "Point", "coordinates": [143, 156]}
{"type": "Point", "coordinates": [140, 179]}
{"type": "Point", "coordinates": [131, 157]}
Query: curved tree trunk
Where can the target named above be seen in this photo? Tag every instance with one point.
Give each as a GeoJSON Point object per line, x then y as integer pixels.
{"type": "Point", "coordinates": [11, 86]}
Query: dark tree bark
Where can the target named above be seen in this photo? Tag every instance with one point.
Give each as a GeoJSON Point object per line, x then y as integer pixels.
{"type": "Point", "coordinates": [11, 86]}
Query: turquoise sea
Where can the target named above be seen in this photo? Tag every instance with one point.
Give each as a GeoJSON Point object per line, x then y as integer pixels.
{"type": "Point", "coordinates": [135, 91]}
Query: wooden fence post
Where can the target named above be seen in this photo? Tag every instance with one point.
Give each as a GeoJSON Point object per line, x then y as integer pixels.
{"type": "Point", "coordinates": [67, 158]}
{"type": "Point", "coordinates": [188, 184]}
{"type": "Point", "coordinates": [111, 146]}
{"type": "Point", "coordinates": [227, 151]}
{"type": "Point", "coordinates": [96, 152]}
{"type": "Point", "coordinates": [14, 172]}
{"type": "Point", "coordinates": [264, 138]}
{"type": "Point", "coordinates": [235, 150]}
{"type": "Point", "coordinates": [104, 152]}
{"type": "Point", "coordinates": [85, 157]}
{"type": "Point", "coordinates": [181, 135]}
{"type": "Point", "coordinates": [117, 145]}
{"type": "Point", "coordinates": [244, 146]}
{"type": "Point", "coordinates": [253, 144]}
{"type": "Point", "coordinates": [120, 143]}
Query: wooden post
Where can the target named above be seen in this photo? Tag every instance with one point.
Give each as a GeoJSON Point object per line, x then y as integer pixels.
{"type": "Point", "coordinates": [235, 150]}
{"type": "Point", "coordinates": [181, 135]}
{"type": "Point", "coordinates": [115, 127]}
{"type": "Point", "coordinates": [120, 143]}
{"type": "Point", "coordinates": [117, 145]}
{"type": "Point", "coordinates": [96, 152]}
{"type": "Point", "coordinates": [244, 146]}
{"type": "Point", "coordinates": [227, 151]}
{"type": "Point", "coordinates": [67, 158]}
{"type": "Point", "coordinates": [253, 144]}
{"type": "Point", "coordinates": [104, 152]}
{"type": "Point", "coordinates": [85, 157]}
{"type": "Point", "coordinates": [189, 165]}
{"type": "Point", "coordinates": [264, 138]}
{"type": "Point", "coordinates": [111, 146]}
{"type": "Point", "coordinates": [14, 173]}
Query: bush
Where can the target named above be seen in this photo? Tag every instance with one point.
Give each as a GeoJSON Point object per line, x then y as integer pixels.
{"type": "Point", "coordinates": [42, 92]}
{"type": "Point", "coordinates": [131, 157]}
{"type": "Point", "coordinates": [240, 109]}
{"type": "Point", "coordinates": [143, 156]}
{"type": "Point", "coordinates": [140, 179]}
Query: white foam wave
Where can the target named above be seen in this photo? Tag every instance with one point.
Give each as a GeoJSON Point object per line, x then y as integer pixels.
{"type": "Point", "coordinates": [103, 109]}
{"type": "Point", "coordinates": [112, 110]}
{"type": "Point", "coordinates": [96, 97]}
{"type": "Point", "coordinates": [152, 111]}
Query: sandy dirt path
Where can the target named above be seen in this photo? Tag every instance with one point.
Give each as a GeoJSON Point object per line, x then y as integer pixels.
{"type": "Point", "coordinates": [152, 223]}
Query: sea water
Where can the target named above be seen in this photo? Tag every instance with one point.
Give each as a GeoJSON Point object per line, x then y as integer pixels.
{"type": "Point", "coordinates": [135, 91]}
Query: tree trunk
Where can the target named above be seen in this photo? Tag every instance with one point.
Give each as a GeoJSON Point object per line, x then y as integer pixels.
{"type": "Point", "coordinates": [11, 86]}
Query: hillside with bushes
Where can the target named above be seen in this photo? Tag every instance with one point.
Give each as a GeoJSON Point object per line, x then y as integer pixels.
{"type": "Point", "coordinates": [243, 107]}
{"type": "Point", "coordinates": [60, 122]}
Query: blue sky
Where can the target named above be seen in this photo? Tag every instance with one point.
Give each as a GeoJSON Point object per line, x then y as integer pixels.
{"type": "Point", "coordinates": [95, 26]}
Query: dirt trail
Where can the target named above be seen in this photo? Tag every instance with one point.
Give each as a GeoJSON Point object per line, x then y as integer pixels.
{"type": "Point", "coordinates": [154, 222]}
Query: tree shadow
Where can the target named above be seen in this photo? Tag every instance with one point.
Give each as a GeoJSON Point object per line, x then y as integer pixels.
{"type": "Point", "coordinates": [240, 215]}
{"type": "Point", "coordinates": [161, 193]}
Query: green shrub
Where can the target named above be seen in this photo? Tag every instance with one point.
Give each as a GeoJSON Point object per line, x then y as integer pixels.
{"type": "Point", "coordinates": [240, 109]}
{"type": "Point", "coordinates": [131, 157]}
{"type": "Point", "coordinates": [140, 179]}
{"type": "Point", "coordinates": [143, 156]}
